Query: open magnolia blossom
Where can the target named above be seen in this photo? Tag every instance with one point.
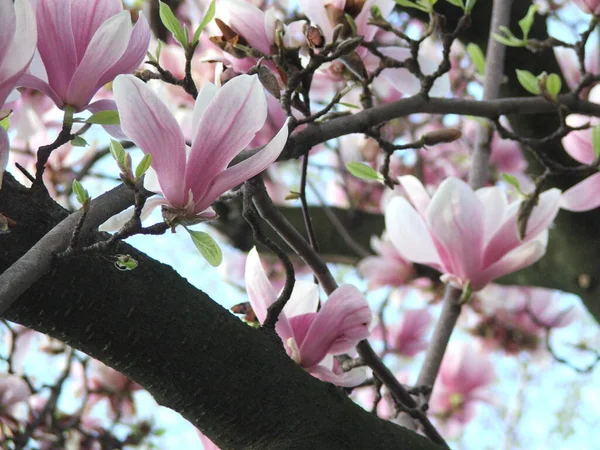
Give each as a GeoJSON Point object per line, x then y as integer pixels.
{"type": "Point", "coordinates": [578, 144]}
{"type": "Point", "coordinates": [86, 45]}
{"type": "Point", "coordinates": [471, 237]}
{"type": "Point", "coordinates": [18, 38]}
{"type": "Point", "coordinates": [224, 122]}
{"type": "Point", "coordinates": [312, 338]}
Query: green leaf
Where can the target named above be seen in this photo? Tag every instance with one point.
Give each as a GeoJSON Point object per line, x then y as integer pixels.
{"type": "Point", "coordinates": [210, 14]}
{"type": "Point", "coordinates": [117, 151]}
{"type": "Point", "coordinates": [376, 12]}
{"type": "Point", "coordinates": [125, 262]}
{"type": "Point", "coordinates": [143, 166]}
{"type": "Point", "coordinates": [172, 24]}
{"type": "Point", "coordinates": [207, 247]}
{"type": "Point", "coordinates": [477, 56]}
{"type": "Point", "coordinates": [409, 4]}
{"type": "Point", "coordinates": [352, 24]}
{"type": "Point", "coordinates": [159, 46]}
{"type": "Point", "coordinates": [509, 42]}
{"type": "Point", "coordinates": [108, 117]}
{"type": "Point", "coordinates": [512, 180]}
{"type": "Point", "coordinates": [470, 5]}
{"type": "Point", "coordinates": [362, 171]}
{"type": "Point", "coordinates": [596, 140]}
{"type": "Point", "coordinates": [78, 141]}
{"type": "Point", "coordinates": [553, 85]}
{"type": "Point", "coordinates": [529, 81]}
{"type": "Point", "coordinates": [80, 193]}
{"type": "Point", "coordinates": [349, 105]}
{"type": "Point", "coordinates": [5, 123]}
{"type": "Point", "coordinates": [526, 22]}
{"type": "Point", "coordinates": [458, 3]}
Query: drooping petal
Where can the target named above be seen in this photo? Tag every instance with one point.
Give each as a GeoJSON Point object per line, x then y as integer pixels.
{"type": "Point", "coordinates": [57, 48]}
{"type": "Point", "coordinates": [133, 55]}
{"type": "Point", "coordinates": [340, 324]}
{"type": "Point", "coordinates": [517, 259]}
{"type": "Point", "coordinates": [149, 123]}
{"type": "Point", "coordinates": [578, 143]}
{"type": "Point", "coordinates": [32, 82]}
{"type": "Point", "coordinates": [409, 233]}
{"type": "Point", "coordinates": [244, 170]}
{"type": "Point", "coordinates": [584, 196]}
{"type": "Point", "coordinates": [116, 222]}
{"type": "Point", "coordinates": [346, 379]}
{"type": "Point", "coordinates": [227, 126]}
{"type": "Point", "coordinates": [416, 192]}
{"type": "Point", "coordinates": [247, 20]}
{"type": "Point", "coordinates": [86, 18]}
{"type": "Point", "coordinates": [104, 50]}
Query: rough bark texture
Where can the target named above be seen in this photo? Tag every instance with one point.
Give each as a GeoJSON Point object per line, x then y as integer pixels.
{"type": "Point", "coordinates": [232, 381]}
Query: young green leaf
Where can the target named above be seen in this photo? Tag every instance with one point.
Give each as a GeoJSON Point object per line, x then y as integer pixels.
{"type": "Point", "coordinates": [108, 117]}
{"type": "Point", "coordinates": [409, 4]}
{"type": "Point", "coordinates": [143, 166]}
{"type": "Point", "coordinates": [207, 247]}
{"type": "Point", "coordinates": [553, 84]}
{"type": "Point", "coordinates": [125, 262]}
{"type": "Point", "coordinates": [512, 180]}
{"type": "Point", "coordinates": [596, 140]}
{"type": "Point", "coordinates": [117, 151]}
{"type": "Point", "coordinates": [78, 141]}
{"type": "Point", "coordinates": [458, 3]}
{"type": "Point", "coordinates": [5, 122]}
{"type": "Point", "coordinates": [172, 24]}
{"type": "Point", "coordinates": [210, 14]}
{"type": "Point", "coordinates": [529, 81]}
{"type": "Point", "coordinates": [470, 5]}
{"type": "Point", "coordinates": [526, 22]}
{"type": "Point", "coordinates": [80, 193]}
{"type": "Point", "coordinates": [477, 56]}
{"type": "Point", "coordinates": [362, 171]}
{"type": "Point", "coordinates": [352, 24]}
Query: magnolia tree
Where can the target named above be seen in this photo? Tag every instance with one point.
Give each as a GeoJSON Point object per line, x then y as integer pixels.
{"type": "Point", "coordinates": [401, 189]}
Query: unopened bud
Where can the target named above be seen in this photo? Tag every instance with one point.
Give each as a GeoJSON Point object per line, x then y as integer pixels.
{"type": "Point", "coordinates": [443, 136]}
{"type": "Point", "coordinates": [269, 81]}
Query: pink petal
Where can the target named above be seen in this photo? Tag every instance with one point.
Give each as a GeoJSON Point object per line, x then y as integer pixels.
{"type": "Point", "coordinates": [205, 96]}
{"type": "Point", "coordinates": [341, 323]}
{"type": "Point", "coordinates": [20, 47]}
{"type": "Point", "coordinates": [317, 14]}
{"type": "Point", "coordinates": [8, 24]}
{"type": "Point", "coordinates": [578, 144]}
{"type": "Point", "coordinates": [86, 18]}
{"type": "Point", "coordinates": [133, 55]}
{"type": "Point", "coordinates": [227, 126]}
{"type": "Point", "coordinates": [515, 260]}
{"type": "Point", "coordinates": [584, 196]}
{"type": "Point", "coordinates": [13, 389]}
{"type": "Point", "coordinates": [57, 47]}
{"type": "Point", "coordinates": [416, 192]}
{"type": "Point", "coordinates": [248, 21]}
{"type": "Point", "coordinates": [346, 379]}
{"type": "Point", "coordinates": [244, 170]}
{"type": "Point", "coordinates": [409, 233]}
{"type": "Point", "coordinates": [506, 237]}
{"type": "Point", "coordinates": [260, 290]}
{"type": "Point", "coordinates": [158, 134]}
{"type": "Point", "coordinates": [368, 31]}
{"type": "Point", "coordinates": [32, 82]}
{"type": "Point", "coordinates": [304, 299]}
{"type": "Point", "coordinates": [106, 48]}
{"type": "Point", "coordinates": [455, 218]}
{"type": "Point", "coordinates": [495, 206]}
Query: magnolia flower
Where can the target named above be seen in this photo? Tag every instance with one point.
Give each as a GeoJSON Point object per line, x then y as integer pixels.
{"type": "Point", "coordinates": [18, 37]}
{"type": "Point", "coordinates": [86, 45]}
{"type": "Point", "coordinates": [13, 391]}
{"type": "Point", "coordinates": [388, 268]}
{"type": "Point", "coordinates": [462, 382]}
{"type": "Point", "coordinates": [584, 195]}
{"type": "Point", "coordinates": [407, 338]}
{"type": "Point", "coordinates": [468, 236]}
{"type": "Point", "coordinates": [312, 338]}
{"type": "Point", "coordinates": [588, 6]}
{"type": "Point", "coordinates": [224, 122]}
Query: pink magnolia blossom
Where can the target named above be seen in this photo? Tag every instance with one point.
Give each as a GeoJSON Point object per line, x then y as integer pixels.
{"type": "Point", "coordinates": [312, 338]}
{"type": "Point", "coordinates": [588, 6]}
{"type": "Point", "coordinates": [207, 444]}
{"type": "Point", "coordinates": [86, 45]}
{"type": "Point", "coordinates": [388, 268]}
{"type": "Point", "coordinates": [462, 382]}
{"type": "Point", "coordinates": [18, 38]}
{"type": "Point", "coordinates": [106, 383]}
{"type": "Point", "coordinates": [407, 337]}
{"type": "Point", "coordinates": [224, 122]}
{"type": "Point", "coordinates": [468, 236]}
{"type": "Point", "coordinates": [515, 317]}
{"type": "Point", "coordinates": [584, 196]}
{"type": "Point", "coordinates": [13, 390]}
